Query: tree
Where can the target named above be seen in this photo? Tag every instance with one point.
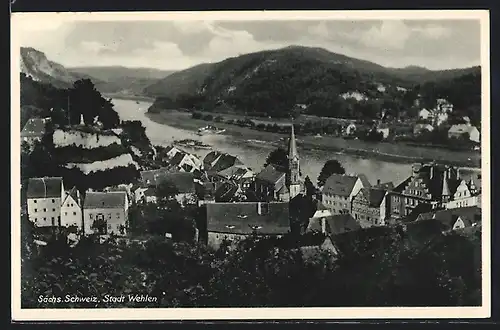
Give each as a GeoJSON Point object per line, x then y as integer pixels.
{"type": "Point", "coordinates": [166, 190]}
{"type": "Point", "coordinates": [331, 166]}
{"type": "Point", "coordinates": [310, 188]}
{"type": "Point", "coordinates": [278, 158]}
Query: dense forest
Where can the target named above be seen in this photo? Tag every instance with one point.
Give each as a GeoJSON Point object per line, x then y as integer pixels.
{"type": "Point", "coordinates": [314, 82]}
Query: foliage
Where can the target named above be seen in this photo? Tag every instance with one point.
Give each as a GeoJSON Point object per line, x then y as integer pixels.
{"type": "Point", "coordinates": [386, 269]}
{"type": "Point", "coordinates": [278, 158]}
{"type": "Point", "coordinates": [331, 166]}
{"type": "Point", "coordinates": [310, 188]}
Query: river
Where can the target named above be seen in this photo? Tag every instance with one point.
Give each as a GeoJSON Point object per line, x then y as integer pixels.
{"type": "Point", "coordinates": [253, 156]}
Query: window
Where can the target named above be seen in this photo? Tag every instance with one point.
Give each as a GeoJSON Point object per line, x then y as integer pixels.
{"type": "Point", "coordinates": [34, 219]}
{"type": "Point", "coordinates": [44, 219]}
{"type": "Point", "coordinates": [74, 213]}
{"type": "Point", "coordinates": [53, 200]}
{"type": "Point", "coordinates": [53, 210]}
{"type": "Point", "coordinates": [36, 210]}
{"type": "Point", "coordinates": [44, 210]}
{"type": "Point", "coordinates": [118, 215]}
{"type": "Point", "coordinates": [91, 216]}
{"type": "Point", "coordinates": [65, 213]}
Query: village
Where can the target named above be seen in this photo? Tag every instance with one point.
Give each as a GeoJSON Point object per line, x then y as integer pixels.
{"type": "Point", "coordinates": [239, 202]}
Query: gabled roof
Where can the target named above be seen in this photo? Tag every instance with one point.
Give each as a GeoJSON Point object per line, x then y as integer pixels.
{"type": "Point", "coordinates": [270, 174]}
{"type": "Point", "coordinates": [225, 192]}
{"type": "Point", "coordinates": [385, 185]}
{"type": "Point", "coordinates": [364, 180]}
{"type": "Point", "coordinates": [374, 196]}
{"type": "Point", "coordinates": [46, 187]}
{"type": "Point", "coordinates": [73, 193]}
{"type": "Point", "coordinates": [243, 218]}
{"type": "Point", "coordinates": [177, 159]}
{"type": "Point", "coordinates": [448, 217]}
{"type": "Point", "coordinates": [105, 200]}
{"type": "Point", "coordinates": [35, 127]}
{"type": "Point", "coordinates": [340, 185]}
{"type": "Point", "coordinates": [235, 172]}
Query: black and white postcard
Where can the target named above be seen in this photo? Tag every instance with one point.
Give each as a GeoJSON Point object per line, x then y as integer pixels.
{"type": "Point", "coordinates": [250, 165]}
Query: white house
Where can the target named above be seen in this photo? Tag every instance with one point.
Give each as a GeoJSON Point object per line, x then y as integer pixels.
{"type": "Point", "coordinates": [44, 198]}
{"type": "Point", "coordinates": [467, 194]}
{"type": "Point", "coordinates": [459, 130]}
{"type": "Point", "coordinates": [424, 114]}
{"type": "Point", "coordinates": [71, 210]}
{"type": "Point", "coordinates": [339, 191]}
{"type": "Point", "coordinates": [105, 213]}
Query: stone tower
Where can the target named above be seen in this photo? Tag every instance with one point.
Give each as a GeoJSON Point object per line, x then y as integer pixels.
{"type": "Point", "coordinates": [293, 175]}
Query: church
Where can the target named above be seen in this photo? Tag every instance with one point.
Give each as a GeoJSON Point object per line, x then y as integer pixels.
{"type": "Point", "coordinates": [281, 184]}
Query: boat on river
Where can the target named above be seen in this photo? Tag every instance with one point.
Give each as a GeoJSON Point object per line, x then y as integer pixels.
{"type": "Point", "coordinates": [189, 143]}
{"type": "Point", "coordinates": [209, 129]}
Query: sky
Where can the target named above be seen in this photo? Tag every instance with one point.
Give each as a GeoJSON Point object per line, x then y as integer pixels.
{"type": "Point", "coordinates": [176, 45]}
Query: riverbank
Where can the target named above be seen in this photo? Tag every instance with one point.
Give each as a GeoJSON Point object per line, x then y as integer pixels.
{"type": "Point", "coordinates": [390, 152]}
{"type": "Point", "coordinates": [129, 97]}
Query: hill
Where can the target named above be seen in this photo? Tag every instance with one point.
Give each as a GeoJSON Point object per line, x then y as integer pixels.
{"type": "Point", "coordinates": [35, 65]}
{"type": "Point", "coordinates": [318, 82]}
{"type": "Point", "coordinates": [104, 151]}
{"type": "Point", "coordinates": [120, 79]}
{"type": "Point", "coordinates": [114, 79]}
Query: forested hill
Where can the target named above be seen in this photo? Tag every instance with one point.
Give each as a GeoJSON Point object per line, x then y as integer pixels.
{"type": "Point", "coordinates": [273, 83]}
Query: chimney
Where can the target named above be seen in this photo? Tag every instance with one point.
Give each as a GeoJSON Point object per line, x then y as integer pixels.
{"type": "Point", "coordinates": [378, 182]}
{"type": "Point", "coordinates": [458, 173]}
{"type": "Point", "coordinates": [259, 208]}
{"type": "Point", "coordinates": [323, 225]}
{"type": "Point", "coordinates": [432, 171]}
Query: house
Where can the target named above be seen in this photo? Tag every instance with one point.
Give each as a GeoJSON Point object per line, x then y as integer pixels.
{"type": "Point", "coordinates": [369, 207]}
{"type": "Point", "coordinates": [464, 130]}
{"type": "Point", "coordinates": [270, 184]}
{"type": "Point", "coordinates": [71, 210]}
{"type": "Point", "coordinates": [453, 219]}
{"type": "Point", "coordinates": [34, 129]}
{"type": "Point", "coordinates": [442, 105]}
{"type": "Point", "coordinates": [236, 221]}
{"type": "Point", "coordinates": [182, 182]}
{"type": "Point", "coordinates": [321, 211]}
{"type": "Point", "coordinates": [216, 161]}
{"type": "Point", "coordinates": [226, 192]}
{"type": "Point", "coordinates": [240, 174]}
{"type": "Point", "coordinates": [468, 193]}
{"type": "Point", "coordinates": [44, 199]}
{"type": "Point", "coordinates": [440, 118]}
{"type": "Point", "coordinates": [424, 114]}
{"type": "Point", "coordinates": [171, 151]}
{"type": "Point", "coordinates": [105, 213]}
{"type": "Point", "coordinates": [186, 162]}
{"type": "Point", "coordinates": [339, 191]}
{"type": "Point", "coordinates": [420, 128]}
{"type": "Point", "coordinates": [432, 184]}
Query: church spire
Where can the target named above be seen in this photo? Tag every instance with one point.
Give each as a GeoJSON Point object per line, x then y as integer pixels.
{"type": "Point", "coordinates": [446, 189]}
{"type": "Point", "coordinates": [292, 146]}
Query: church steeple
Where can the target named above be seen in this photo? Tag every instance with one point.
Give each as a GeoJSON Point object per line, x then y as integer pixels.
{"type": "Point", "coordinates": [292, 146]}
{"type": "Point", "coordinates": [293, 175]}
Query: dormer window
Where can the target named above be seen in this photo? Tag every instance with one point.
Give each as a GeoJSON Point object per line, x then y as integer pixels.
{"type": "Point", "coordinates": [242, 216]}
{"type": "Point", "coordinates": [256, 227]}
{"type": "Point", "coordinates": [229, 226]}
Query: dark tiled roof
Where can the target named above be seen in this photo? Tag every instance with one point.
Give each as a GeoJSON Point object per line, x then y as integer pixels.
{"type": "Point", "coordinates": [105, 200]}
{"type": "Point", "coordinates": [448, 217]}
{"type": "Point", "coordinates": [270, 174]}
{"type": "Point", "coordinates": [374, 196]}
{"type": "Point", "coordinates": [364, 180]}
{"type": "Point", "coordinates": [149, 177]}
{"type": "Point", "coordinates": [234, 172]}
{"type": "Point", "coordinates": [210, 158]}
{"type": "Point", "coordinates": [44, 187]}
{"type": "Point", "coordinates": [35, 127]}
{"type": "Point", "coordinates": [222, 161]}
{"type": "Point", "coordinates": [341, 223]}
{"type": "Point", "coordinates": [183, 181]}
{"type": "Point", "coordinates": [177, 159]}
{"type": "Point", "coordinates": [340, 185]}
{"type": "Point", "coordinates": [386, 185]}
{"type": "Point", "coordinates": [225, 192]}
{"type": "Point", "coordinates": [402, 186]}
{"type": "Point", "coordinates": [241, 218]}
